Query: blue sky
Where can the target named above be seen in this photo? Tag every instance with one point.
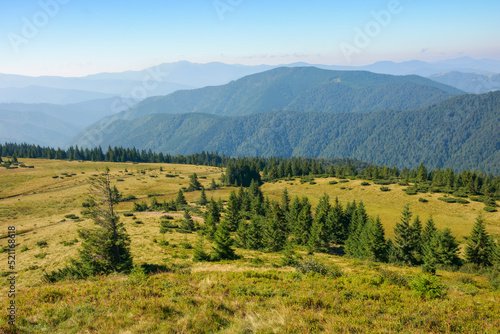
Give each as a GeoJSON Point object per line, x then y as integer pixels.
{"type": "Point", "coordinates": [77, 37]}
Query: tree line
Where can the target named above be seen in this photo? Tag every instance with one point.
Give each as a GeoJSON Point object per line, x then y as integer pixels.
{"type": "Point", "coordinates": [241, 171]}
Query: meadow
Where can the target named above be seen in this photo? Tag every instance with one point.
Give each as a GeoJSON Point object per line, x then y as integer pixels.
{"type": "Point", "coordinates": [255, 293]}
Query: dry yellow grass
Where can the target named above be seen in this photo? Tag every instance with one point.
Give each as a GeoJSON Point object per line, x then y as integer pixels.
{"type": "Point", "coordinates": [36, 203]}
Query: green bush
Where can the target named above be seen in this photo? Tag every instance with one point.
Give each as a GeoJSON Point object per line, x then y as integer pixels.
{"type": "Point", "coordinates": [365, 183]}
{"type": "Point", "coordinates": [332, 182]}
{"type": "Point", "coordinates": [423, 200]}
{"type": "Point", "coordinates": [394, 278]}
{"type": "Point", "coordinates": [312, 265]}
{"type": "Point", "coordinates": [128, 214]}
{"type": "Point", "coordinates": [384, 189]}
{"type": "Point", "coordinates": [428, 287]}
{"type": "Point", "coordinates": [42, 244]}
{"type": "Point", "coordinates": [489, 209]}
{"type": "Point", "coordinates": [447, 199]}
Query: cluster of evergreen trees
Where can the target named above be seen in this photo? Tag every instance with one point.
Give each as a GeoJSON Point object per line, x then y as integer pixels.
{"type": "Point", "coordinates": [241, 171]}
{"type": "Point", "coordinates": [271, 226]}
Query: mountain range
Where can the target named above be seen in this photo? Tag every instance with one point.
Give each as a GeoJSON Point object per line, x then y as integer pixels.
{"type": "Point", "coordinates": [462, 132]}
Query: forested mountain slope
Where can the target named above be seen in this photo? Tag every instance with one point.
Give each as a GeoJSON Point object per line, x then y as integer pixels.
{"type": "Point", "coordinates": [462, 132]}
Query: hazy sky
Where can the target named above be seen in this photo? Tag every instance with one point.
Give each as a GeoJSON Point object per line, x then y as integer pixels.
{"type": "Point", "coordinates": [80, 37]}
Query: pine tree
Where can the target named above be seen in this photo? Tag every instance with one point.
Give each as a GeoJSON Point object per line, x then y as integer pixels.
{"type": "Point", "coordinates": [338, 222]}
{"type": "Point", "coordinates": [319, 239]}
{"type": "Point", "coordinates": [376, 248]}
{"type": "Point", "coordinates": [404, 238]}
{"type": "Point", "coordinates": [479, 248]}
{"type": "Point", "coordinates": [242, 234]}
{"type": "Point", "coordinates": [187, 224]}
{"type": "Point", "coordinates": [428, 232]}
{"type": "Point", "coordinates": [293, 214]}
{"type": "Point", "coordinates": [233, 211]}
{"type": "Point", "coordinates": [194, 184]}
{"type": "Point", "coordinates": [181, 200]}
{"type": "Point", "coordinates": [422, 173]}
{"type": "Point", "coordinates": [416, 228]}
{"type": "Point", "coordinates": [442, 249]}
{"type": "Point", "coordinates": [199, 253]}
{"type": "Point", "coordinates": [285, 202]}
{"type": "Point", "coordinates": [304, 222]}
{"type": "Point", "coordinates": [274, 233]}
{"type": "Point", "coordinates": [358, 237]}
{"type": "Point", "coordinates": [107, 247]}
{"type": "Point", "coordinates": [288, 258]}
{"type": "Point", "coordinates": [254, 236]}
{"type": "Point", "coordinates": [223, 244]}
{"type": "Point", "coordinates": [213, 210]}
{"type": "Point", "coordinates": [203, 197]}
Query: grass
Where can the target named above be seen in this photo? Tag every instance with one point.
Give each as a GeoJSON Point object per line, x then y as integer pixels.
{"type": "Point", "coordinates": [252, 294]}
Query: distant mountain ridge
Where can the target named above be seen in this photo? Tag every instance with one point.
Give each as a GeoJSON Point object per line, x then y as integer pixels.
{"type": "Point", "coordinates": [303, 89]}
{"type": "Point", "coordinates": [462, 132]}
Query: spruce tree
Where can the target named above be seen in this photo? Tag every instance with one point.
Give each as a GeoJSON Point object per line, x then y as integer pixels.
{"type": "Point", "coordinates": [199, 252]}
{"type": "Point", "coordinates": [233, 211]}
{"type": "Point", "coordinates": [187, 224]}
{"type": "Point", "coordinates": [293, 214]}
{"type": "Point", "coordinates": [274, 233]}
{"type": "Point", "coordinates": [416, 228]}
{"type": "Point", "coordinates": [442, 249]}
{"type": "Point", "coordinates": [213, 210]}
{"type": "Point", "coordinates": [106, 248]}
{"type": "Point", "coordinates": [181, 200]}
{"type": "Point", "coordinates": [285, 202]}
{"type": "Point", "coordinates": [223, 244]}
{"type": "Point", "coordinates": [194, 184]}
{"type": "Point", "coordinates": [254, 236]}
{"type": "Point", "coordinates": [404, 238]}
{"type": "Point", "coordinates": [302, 228]}
{"type": "Point", "coordinates": [242, 235]}
{"type": "Point", "coordinates": [319, 239]}
{"type": "Point", "coordinates": [203, 197]}
{"type": "Point", "coordinates": [429, 231]}
{"type": "Point", "coordinates": [338, 222]}
{"type": "Point", "coordinates": [479, 248]}
{"type": "Point", "coordinates": [358, 237]}
{"type": "Point", "coordinates": [376, 246]}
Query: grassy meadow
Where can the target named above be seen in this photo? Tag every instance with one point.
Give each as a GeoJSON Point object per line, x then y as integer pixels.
{"type": "Point", "coordinates": [254, 294]}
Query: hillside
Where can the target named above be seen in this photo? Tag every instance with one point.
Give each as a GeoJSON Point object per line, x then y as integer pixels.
{"type": "Point", "coordinates": [469, 82]}
{"type": "Point", "coordinates": [461, 133]}
{"type": "Point", "coordinates": [303, 89]}
{"type": "Point", "coordinates": [176, 294]}
{"type": "Point", "coordinates": [52, 124]}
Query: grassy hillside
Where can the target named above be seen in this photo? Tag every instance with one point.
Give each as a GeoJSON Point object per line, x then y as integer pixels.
{"type": "Point", "coordinates": [252, 294]}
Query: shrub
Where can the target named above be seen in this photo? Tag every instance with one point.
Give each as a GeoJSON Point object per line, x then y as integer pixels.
{"type": "Point", "coordinates": [394, 278]}
{"type": "Point", "coordinates": [40, 256]}
{"type": "Point", "coordinates": [128, 198]}
{"type": "Point", "coordinates": [343, 181]}
{"type": "Point", "coordinates": [411, 191]}
{"type": "Point", "coordinates": [42, 244]}
{"type": "Point", "coordinates": [137, 275]}
{"type": "Point", "coordinates": [384, 189]}
{"type": "Point", "coordinates": [332, 182]}
{"type": "Point", "coordinates": [489, 209]}
{"type": "Point", "coordinates": [72, 216]}
{"type": "Point", "coordinates": [365, 183]}
{"type": "Point", "coordinates": [428, 287]}
{"type": "Point", "coordinates": [128, 214]}
{"type": "Point", "coordinates": [312, 265]}
{"type": "Point", "coordinates": [447, 199]}
{"type": "Point", "coordinates": [382, 182]}
{"type": "Point", "coordinates": [167, 217]}
{"type": "Point", "coordinates": [494, 279]}
{"type": "Point", "coordinates": [461, 201]}
{"type": "Point", "coordinates": [423, 200]}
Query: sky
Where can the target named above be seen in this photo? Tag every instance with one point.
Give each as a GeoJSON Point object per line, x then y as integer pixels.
{"type": "Point", "coordinates": [81, 37]}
